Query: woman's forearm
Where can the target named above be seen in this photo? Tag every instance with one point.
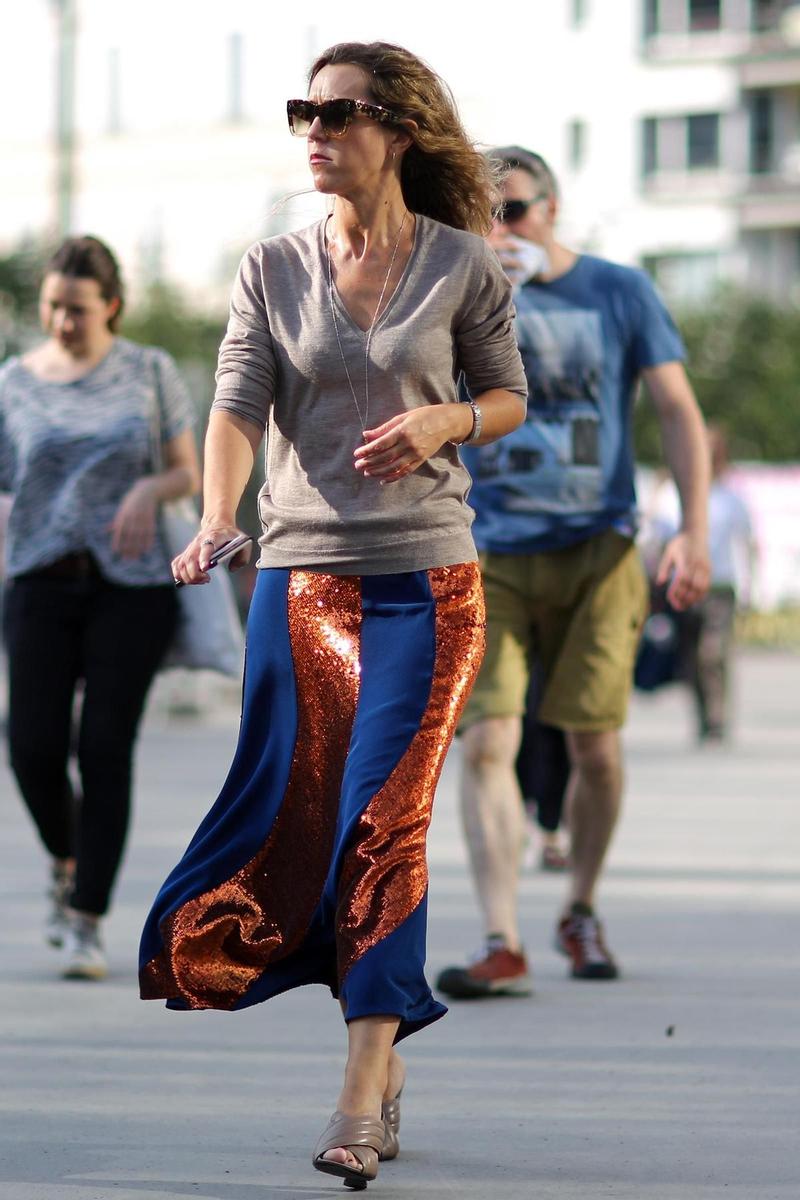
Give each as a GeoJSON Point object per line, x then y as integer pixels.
{"type": "Point", "coordinates": [230, 449]}
{"type": "Point", "coordinates": [501, 413]}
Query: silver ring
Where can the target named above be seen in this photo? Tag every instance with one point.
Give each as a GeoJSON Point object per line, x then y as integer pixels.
{"type": "Point", "coordinates": [207, 542]}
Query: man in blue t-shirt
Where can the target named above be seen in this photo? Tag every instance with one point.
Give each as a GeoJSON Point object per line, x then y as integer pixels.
{"type": "Point", "coordinates": [555, 520]}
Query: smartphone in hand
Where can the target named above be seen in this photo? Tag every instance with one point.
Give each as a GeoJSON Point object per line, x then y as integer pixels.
{"type": "Point", "coordinates": [228, 549]}
{"type": "Point", "coordinates": [224, 552]}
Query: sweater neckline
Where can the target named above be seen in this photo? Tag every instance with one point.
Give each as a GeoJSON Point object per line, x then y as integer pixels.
{"type": "Point", "coordinates": [402, 282]}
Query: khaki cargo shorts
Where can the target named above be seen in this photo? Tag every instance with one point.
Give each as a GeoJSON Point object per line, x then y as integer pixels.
{"type": "Point", "coordinates": [578, 613]}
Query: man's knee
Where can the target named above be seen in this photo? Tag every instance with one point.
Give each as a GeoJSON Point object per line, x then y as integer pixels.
{"type": "Point", "coordinates": [595, 755]}
{"type": "Point", "coordinates": [492, 742]}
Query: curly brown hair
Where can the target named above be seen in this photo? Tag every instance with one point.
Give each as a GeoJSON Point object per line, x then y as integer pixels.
{"type": "Point", "coordinates": [442, 175]}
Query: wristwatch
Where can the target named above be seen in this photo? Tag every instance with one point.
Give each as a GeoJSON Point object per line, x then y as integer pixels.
{"type": "Point", "coordinates": [477, 425]}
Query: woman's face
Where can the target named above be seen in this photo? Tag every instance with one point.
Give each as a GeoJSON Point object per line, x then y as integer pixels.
{"type": "Point", "coordinates": [355, 161]}
{"type": "Point", "coordinates": [74, 313]}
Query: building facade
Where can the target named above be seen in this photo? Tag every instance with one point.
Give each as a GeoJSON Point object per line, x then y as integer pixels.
{"type": "Point", "coordinates": [736, 155]}
{"type": "Point", "coordinates": [674, 126]}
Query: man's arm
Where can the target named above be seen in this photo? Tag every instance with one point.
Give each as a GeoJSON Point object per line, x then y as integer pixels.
{"type": "Point", "coordinates": [683, 438]}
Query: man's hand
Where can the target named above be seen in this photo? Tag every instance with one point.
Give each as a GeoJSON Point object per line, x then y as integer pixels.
{"type": "Point", "coordinates": [685, 566]}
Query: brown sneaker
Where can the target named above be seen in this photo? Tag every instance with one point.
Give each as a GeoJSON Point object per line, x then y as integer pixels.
{"type": "Point", "coordinates": [579, 937]}
{"type": "Point", "coordinates": [496, 971]}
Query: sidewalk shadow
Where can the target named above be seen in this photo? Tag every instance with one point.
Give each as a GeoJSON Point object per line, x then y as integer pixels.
{"type": "Point", "coordinates": [202, 1191]}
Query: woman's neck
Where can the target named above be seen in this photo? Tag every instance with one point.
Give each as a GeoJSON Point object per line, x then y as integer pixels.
{"type": "Point", "coordinates": [361, 225]}
{"type": "Point", "coordinates": [54, 362]}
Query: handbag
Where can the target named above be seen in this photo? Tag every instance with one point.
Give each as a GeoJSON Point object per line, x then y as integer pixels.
{"type": "Point", "coordinates": [209, 635]}
{"type": "Point", "coordinates": [658, 659]}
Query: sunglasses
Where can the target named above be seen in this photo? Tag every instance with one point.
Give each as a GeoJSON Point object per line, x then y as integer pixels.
{"type": "Point", "coordinates": [513, 210]}
{"type": "Point", "coordinates": [334, 115]}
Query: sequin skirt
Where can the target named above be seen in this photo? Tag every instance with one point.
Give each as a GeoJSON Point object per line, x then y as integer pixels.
{"type": "Point", "coordinates": [311, 866]}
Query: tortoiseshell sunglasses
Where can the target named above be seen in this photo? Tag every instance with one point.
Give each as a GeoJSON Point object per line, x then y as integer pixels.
{"type": "Point", "coordinates": [334, 115]}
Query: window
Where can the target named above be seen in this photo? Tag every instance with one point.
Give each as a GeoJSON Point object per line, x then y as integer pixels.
{"type": "Point", "coordinates": [704, 15]}
{"type": "Point", "coordinates": [702, 141]}
{"type": "Point", "coordinates": [761, 142]}
{"type": "Point", "coordinates": [576, 144]}
{"type": "Point", "coordinates": [766, 14]}
{"type": "Point", "coordinates": [651, 18]}
{"type": "Point", "coordinates": [649, 146]}
{"type": "Point", "coordinates": [680, 143]}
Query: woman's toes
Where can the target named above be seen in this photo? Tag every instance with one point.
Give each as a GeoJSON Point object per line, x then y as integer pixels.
{"type": "Point", "coordinates": [342, 1156]}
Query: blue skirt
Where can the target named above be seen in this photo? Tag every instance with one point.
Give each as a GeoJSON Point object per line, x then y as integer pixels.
{"type": "Point", "coordinates": [311, 866]}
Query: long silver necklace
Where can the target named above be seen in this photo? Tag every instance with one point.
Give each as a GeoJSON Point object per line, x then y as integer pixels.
{"type": "Point", "coordinates": [362, 420]}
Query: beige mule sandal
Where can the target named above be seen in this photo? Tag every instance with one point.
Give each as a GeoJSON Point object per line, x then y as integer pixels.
{"type": "Point", "coordinates": [390, 1111]}
{"type": "Point", "coordinates": [363, 1137]}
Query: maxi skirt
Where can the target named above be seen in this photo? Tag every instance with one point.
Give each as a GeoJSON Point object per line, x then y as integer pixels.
{"type": "Point", "coordinates": [311, 865]}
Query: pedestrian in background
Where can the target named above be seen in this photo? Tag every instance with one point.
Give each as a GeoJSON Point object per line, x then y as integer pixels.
{"type": "Point", "coordinates": [366, 627]}
{"type": "Point", "coordinates": [555, 522]}
{"type": "Point", "coordinates": [706, 629]}
{"type": "Point", "coordinates": [89, 599]}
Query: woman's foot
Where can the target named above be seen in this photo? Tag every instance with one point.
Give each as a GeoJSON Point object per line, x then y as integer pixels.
{"type": "Point", "coordinates": [356, 1158]}
{"type": "Point", "coordinates": [358, 1102]}
{"type": "Point", "coordinates": [373, 1068]}
{"type": "Point", "coordinates": [59, 892]}
{"type": "Point", "coordinates": [84, 956]}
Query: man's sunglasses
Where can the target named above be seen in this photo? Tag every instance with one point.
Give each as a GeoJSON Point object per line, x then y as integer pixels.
{"type": "Point", "coordinates": [514, 210]}
{"type": "Point", "coordinates": [334, 115]}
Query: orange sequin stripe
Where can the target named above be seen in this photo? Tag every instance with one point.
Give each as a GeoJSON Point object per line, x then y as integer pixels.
{"type": "Point", "coordinates": [217, 944]}
{"type": "Point", "coordinates": [385, 874]}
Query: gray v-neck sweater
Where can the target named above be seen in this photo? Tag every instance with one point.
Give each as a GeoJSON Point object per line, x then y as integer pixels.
{"type": "Point", "coordinates": [280, 367]}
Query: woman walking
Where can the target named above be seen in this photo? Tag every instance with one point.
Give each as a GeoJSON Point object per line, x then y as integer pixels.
{"type": "Point", "coordinates": [89, 597]}
{"type": "Point", "coordinates": [366, 629]}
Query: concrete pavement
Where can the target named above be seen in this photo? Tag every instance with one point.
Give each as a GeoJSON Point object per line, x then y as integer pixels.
{"type": "Point", "coordinates": [581, 1091]}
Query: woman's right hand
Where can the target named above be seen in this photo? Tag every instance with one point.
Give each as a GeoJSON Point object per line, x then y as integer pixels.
{"type": "Point", "coordinates": [191, 566]}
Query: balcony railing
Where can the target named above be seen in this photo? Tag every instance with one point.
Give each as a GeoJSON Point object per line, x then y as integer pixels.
{"type": "Point", "coordinates": [774, 31]}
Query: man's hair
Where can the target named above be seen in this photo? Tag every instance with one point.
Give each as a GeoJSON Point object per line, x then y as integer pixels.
{"type": "Point", "coordinates": [515, 158]}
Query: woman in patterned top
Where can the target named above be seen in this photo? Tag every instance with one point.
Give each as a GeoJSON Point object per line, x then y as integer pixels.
{"type": "Point", "coordinates": [90, 597]}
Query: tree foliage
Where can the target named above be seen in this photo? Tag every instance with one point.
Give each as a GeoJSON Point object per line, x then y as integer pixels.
{"type": "Point", "coordinates": [165, 318]}
{"type": "Point", "coordinates": [744, 363]}
{"type": "Point", "coordinates": [20, 272]}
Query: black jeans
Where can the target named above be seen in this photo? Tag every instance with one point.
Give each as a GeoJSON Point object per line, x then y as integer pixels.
{"type": "Point", "coordinates": [543, 766]}
{"type": "Point", "coordinates": [58, 632]}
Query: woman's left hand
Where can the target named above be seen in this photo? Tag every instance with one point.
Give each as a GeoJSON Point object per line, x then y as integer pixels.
{"type": "Point", "coordinates": [404, 443]}
{"type": "Point", "coordinates": [133, 529]}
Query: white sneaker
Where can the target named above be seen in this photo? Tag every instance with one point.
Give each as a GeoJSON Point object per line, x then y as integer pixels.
{"type": "Point", "coordinates": [84, 957]}
{"type": "Point", "coordinates": [57, 920]}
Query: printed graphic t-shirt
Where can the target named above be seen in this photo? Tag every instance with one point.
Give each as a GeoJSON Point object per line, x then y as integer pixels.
{"type": "Point", "coordinates": [567, 472]}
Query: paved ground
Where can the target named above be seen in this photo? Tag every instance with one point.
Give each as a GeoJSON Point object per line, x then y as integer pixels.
{"type": "Point", "coordinates": [579, 1092]}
